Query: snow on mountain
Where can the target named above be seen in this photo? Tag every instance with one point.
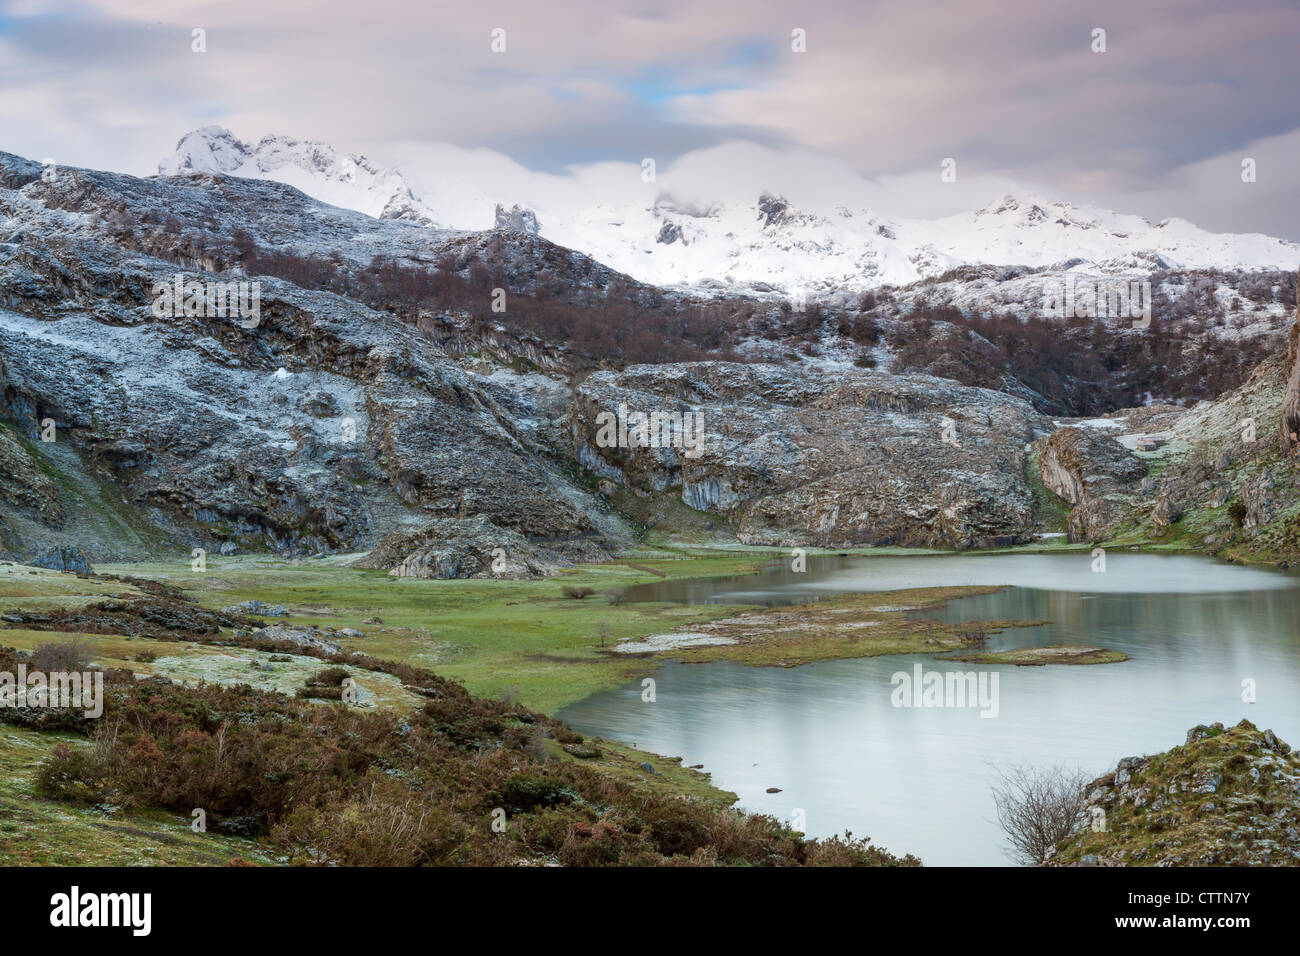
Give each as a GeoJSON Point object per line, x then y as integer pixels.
{"type": "Point", "coordinates": [1034, 232]}
{"type": "Point", "coordinates": [347, 181]}
{"type": "Point", "coordinates": [717, 222]}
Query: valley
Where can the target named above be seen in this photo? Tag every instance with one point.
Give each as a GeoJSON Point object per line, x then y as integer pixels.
{"type": "Point", "coordinates": [475, 568]}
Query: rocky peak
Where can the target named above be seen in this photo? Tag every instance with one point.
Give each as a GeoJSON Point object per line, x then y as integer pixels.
{"type": "Point", "coordinates": [210, 149]}
{"type": "Point", "coordinates": [773, 210]}
{"type": "Point", "coordinates": [669, 233]}
{"type": "Point", "coordinates": [516, 219]}
{"type": "Point", "coordinates": [344, 179]}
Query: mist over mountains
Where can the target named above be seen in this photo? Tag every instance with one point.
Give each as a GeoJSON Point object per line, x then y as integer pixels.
{"type": "Point", "coordinates": [732, 219]}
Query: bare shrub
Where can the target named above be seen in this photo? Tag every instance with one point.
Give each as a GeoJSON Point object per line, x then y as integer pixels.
{"type": "Point", "coordinates": [1038, 807]}
{"type": "Point", "coordinates": [73, 654]}
{"type": "Point", "coordinates": [575, 592]}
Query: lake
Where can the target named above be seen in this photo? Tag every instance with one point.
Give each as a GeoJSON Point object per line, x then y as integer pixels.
{"type": "Point", "coordinates": [917, 779]}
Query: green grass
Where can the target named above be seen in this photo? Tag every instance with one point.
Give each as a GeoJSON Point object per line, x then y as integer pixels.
{"type": "Point", "coordinates": [1069, 654]}
{"type": "Point", "coordinates": [518, 638]}
{"type": "Point", "coordinates": [843, 626]}
{"type": "Point", "coordinates": [522, 640]}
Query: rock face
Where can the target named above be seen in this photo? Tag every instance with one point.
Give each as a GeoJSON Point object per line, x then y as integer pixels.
{"type": "Point", "coordinates": [1091, 471]}
{"type": "Point", "coordinates": [1224, 798]}
{"type": "Point", "coordinates": [70, 560]}
{"type": "Point", "coordinates": [817, 457]}
{"type": "Point", "coordinates": [474, 548]}
{"type": "Point", "coordinates": [1229, 476]}
{"type": "Point", "coordinates": [25, 487]}
{"type": "Point", "coordinates": [1290, 426]}
{"type": "Point", "coordinates": [320, 426]}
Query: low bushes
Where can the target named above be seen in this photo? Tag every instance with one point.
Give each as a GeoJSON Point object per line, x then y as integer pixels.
{"type": "Point", "coordinates": [336, 784]}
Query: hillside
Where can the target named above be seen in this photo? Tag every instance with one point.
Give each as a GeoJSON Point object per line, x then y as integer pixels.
{"type": "Point", "coordinates": [380, 391]}
{"type": "Point", "coordinates": [298, 750]}
{"type": "Point", "coordinates": [1224, 798]}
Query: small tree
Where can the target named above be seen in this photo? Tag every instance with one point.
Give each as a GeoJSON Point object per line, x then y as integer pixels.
{"type": "Point", "coordinates": [1038, 807]}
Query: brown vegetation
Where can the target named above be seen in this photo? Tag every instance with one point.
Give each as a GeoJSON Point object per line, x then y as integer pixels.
{"type": "Point", "coordinates": [330, 783]}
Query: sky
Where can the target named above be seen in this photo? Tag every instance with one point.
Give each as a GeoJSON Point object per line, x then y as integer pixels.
{"type": "Point", "coordinates": [1014, 91]}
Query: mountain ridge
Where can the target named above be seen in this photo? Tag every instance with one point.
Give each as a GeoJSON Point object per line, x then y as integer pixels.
{"type": "Point", "coordinates": [764, 245]}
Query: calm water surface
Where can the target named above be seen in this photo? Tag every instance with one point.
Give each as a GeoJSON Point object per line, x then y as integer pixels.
{"type": "Point", "coordinates": [917, 779]}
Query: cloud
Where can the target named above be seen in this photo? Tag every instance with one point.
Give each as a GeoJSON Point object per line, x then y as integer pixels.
{"type": "Point", "coordinates": [1011, 90]}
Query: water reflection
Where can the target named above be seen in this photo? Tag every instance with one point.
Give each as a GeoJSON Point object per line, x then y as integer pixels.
{"type": "Point", "coordinates": [917, 779]}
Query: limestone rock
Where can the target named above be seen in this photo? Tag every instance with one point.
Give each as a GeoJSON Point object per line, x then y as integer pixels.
{"type": "Point", "coordinates": [23, 485]}
{"type": "Point", "coordinates": [517, 219]}
{"type": "Point", "coordinates": [1225, 797]}
{"type": "Point", "coordinates": [1091, 471]}
{"type": "Point", "coordinates": [468, 548]}
{"type": "Point", "coordinates": [1290, 426]}
{"type": "Point", "coordinates": [71, 560]}
{"type": "Point", "coordinates": [830, 458]}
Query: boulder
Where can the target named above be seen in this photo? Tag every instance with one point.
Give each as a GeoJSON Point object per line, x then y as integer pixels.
{"type": "Point", "coordinates": [470, 548]}
{"type": "Point", "coordinates": [306, 637]}
{"type": "Point", "coordinates": [257, 608]}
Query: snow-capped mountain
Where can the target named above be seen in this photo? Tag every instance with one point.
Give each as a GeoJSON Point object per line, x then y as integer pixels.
{"type": "Point", "coordinates": [347, 181]}
{"type": "Point", "coordinates": [818, 242]}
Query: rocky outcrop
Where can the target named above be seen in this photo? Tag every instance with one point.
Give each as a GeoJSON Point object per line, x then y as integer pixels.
{"type": "Point", "coordinates": [1224, 798]}
{"type": "Point", "coordinates": [307, 638]}
{"type": "Point", "coordinates": [475, 548]}
{"type": "Point", "coordinates": [1290, 425]}
{"type": "Point", "coordinates": [24, 486]}
{"type": "Point", "coordinates": [809, 456]}
{"type": "Point", "coordinates": [1092, 472]}
{"type": "Point", "coordinates": [71, 560]}
{"type": "Point", "coordinates": [1229, 480]}
{"type": "Point", "coordinates": [516, 219]}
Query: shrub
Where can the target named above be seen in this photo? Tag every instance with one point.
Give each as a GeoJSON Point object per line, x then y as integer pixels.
{"type": "Point", "coordinates": [577, 593]}
{"type": "Point", "coordinates": [330, 677]}
{"type": "Point", "coordinates": [1038, 808]}
{"type": "Point", "coordinates": [73, 773]}
{"type": "Point", "coordinates": [523, 794]}
{"type": "Point", "coordinates": [73, 654]}
{"type": "Point", "coordinates": [338, 785]}
{"type": "Point", "coordinates": [384, 823]}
